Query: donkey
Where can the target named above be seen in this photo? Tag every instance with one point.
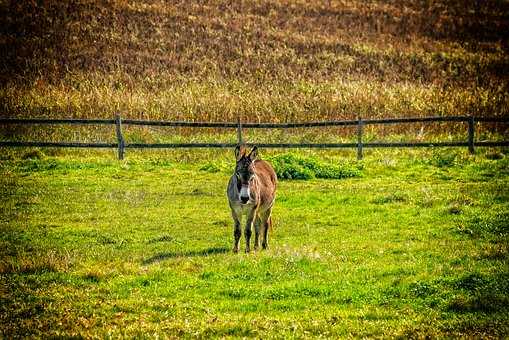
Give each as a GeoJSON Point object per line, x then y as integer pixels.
{"type": "Point", "coordinates": [251, 191]}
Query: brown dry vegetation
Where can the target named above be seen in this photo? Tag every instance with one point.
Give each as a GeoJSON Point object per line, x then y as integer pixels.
{"type": "Point", "coordinates": [263, 60]}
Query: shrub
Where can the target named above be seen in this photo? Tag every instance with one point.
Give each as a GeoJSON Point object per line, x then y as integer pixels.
{"type": "Point", "coordinates": [291, 166]}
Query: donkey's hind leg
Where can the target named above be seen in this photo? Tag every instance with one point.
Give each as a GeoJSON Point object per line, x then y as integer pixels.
{"type": "Point", "coordinates": [266, 225]}
{"type": "Point", "coordinates": [257, 225]}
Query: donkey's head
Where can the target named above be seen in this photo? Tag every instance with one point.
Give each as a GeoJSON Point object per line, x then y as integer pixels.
{"type": "Point", "coordinates": [244, 171]}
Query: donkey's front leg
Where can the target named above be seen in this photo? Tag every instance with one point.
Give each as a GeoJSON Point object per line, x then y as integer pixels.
{"type": "Point", "coordinates": [247, 231]}
{"type": "Point", "coordinates": [237, 233]}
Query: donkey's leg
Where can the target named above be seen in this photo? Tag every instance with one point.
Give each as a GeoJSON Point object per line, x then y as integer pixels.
{"type": "Point", "coordinates": [257, 225]}
{"type": "Point", "coordinates": [247, 231]}
{"type": "Point", "coordinates": [267, 224]}
{"type": "Point", "coordinates": [237, 233]}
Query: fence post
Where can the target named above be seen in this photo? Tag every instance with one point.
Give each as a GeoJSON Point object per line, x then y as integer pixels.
{"type": "Point", "coordinates": [239, 131]}
{"type": "Point", "coordinates": [471, 125]}
{"type": "Point", "coordinates": [120, 138]}
{"type": "Point", "coordinates": [359, 138]}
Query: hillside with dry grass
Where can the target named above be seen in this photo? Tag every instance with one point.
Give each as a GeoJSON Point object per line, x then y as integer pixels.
{"type": "Point", "coordinates": [263, 60]}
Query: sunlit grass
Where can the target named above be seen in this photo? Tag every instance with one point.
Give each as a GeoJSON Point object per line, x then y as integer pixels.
{"type": "Point", "coordinates": [210, 100]}
{"type": "Point", "coordinates": [414, 245]}
{"type": "Point", "coordinates": [92, 246]}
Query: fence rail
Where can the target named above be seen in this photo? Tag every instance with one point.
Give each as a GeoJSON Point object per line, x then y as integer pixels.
{"type": "Point", "coordinates": [121, 145]}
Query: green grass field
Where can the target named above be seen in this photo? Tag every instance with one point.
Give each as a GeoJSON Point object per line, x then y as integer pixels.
{"type": "Point", "coordinates": [405, 243]}
{"type": "Point", "coordinates": [416, 245]}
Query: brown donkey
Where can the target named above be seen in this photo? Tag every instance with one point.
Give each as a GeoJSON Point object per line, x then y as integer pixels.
{"type": "Point", "coordinates": [251, 191]}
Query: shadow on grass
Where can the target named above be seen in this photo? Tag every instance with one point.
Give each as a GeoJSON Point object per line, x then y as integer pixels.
{"type": "Point", "coordinates": [192, 253]}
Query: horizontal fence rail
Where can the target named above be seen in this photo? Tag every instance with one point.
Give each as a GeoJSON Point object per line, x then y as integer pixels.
{"type": "Point", "coordinates": [32, 121]}
{"type": "Point", "coordinates": [59, 144]}
{"type": "Point", "coordinates": [121, 145]}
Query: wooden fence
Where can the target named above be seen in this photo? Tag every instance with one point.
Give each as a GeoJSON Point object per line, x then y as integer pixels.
{"type": "Point", "coordinates": [121, 144]}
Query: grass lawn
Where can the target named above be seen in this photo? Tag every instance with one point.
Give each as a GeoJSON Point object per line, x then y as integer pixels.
{"type": "Point", "coordinates": [415, 246]}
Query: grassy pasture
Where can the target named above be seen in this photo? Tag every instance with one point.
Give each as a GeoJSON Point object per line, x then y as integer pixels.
{"type": "Point", "coordinates": [410, 243]}
{"type": "Point", "coordinates": [415, 246]}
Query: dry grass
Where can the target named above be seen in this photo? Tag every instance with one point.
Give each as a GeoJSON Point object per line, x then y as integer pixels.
{"type": "Point", "coordinates": [263, 60]}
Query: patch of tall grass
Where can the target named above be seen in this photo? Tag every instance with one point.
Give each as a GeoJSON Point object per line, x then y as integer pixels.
{"type": "Point", "coordinates": [294, 166]}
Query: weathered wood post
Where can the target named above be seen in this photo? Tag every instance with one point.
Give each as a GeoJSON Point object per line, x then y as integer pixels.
{"type": "Point", "coordinates": [471, 126]}
{"type": "Point", "coordinates": [239, 131]}
{"type": "Point", "coordinates": [120, 138]}
{"type": "Point", "coordinates": [359, 138]}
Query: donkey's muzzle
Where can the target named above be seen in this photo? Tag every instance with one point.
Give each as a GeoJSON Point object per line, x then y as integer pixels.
{"type": "Point", "coordinates": [244, 194]}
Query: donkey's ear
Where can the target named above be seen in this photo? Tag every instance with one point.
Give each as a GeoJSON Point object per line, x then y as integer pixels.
{"type": "Point", "coordinates": [239, 151]}
{"type": "Point", "coordinates": [253, 154]}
